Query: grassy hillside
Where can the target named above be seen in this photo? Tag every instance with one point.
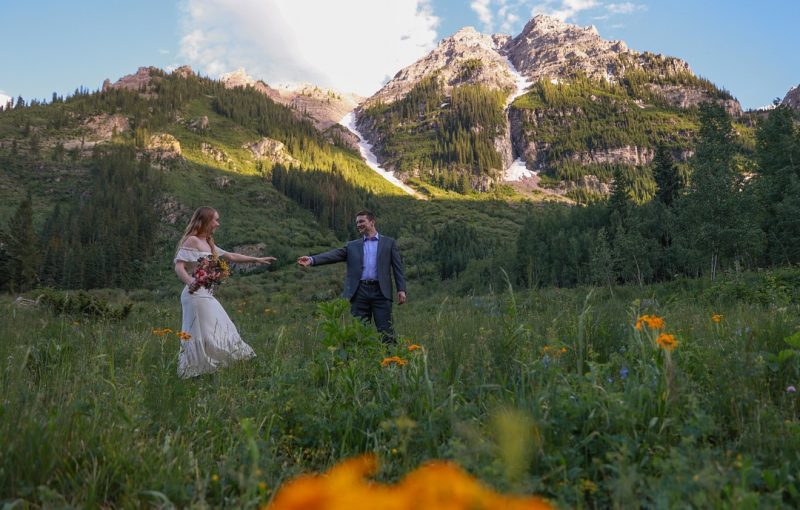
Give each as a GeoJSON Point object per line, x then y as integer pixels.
{"type": "Point", "coordinates": [41, 152]}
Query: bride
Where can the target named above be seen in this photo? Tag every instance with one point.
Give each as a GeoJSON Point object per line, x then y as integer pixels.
{"type": "Point", "coordinates": [212, 340]}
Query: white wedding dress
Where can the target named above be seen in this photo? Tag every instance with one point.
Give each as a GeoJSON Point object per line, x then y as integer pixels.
{"type": "Point", "coordinates": [214, 341]}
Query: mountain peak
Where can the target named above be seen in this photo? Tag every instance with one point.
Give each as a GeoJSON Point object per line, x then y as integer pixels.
{"type": "Point", "coordinates": [792, 98]}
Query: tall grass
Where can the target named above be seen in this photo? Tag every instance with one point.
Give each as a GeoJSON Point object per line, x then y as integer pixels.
{"type": "Point", "coordinates": [546, 391]}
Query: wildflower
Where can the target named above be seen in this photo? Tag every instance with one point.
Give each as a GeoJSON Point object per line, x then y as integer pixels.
{"type": "Point", "coordinates": [667, 341]}
{"type": "Point", "coordinates": [623, 373]}
{"type": "Point", "coordinates": [791, 389]}
{"type": "Point", "coordinates": [183, 335]}
{"type": "Point", "coordinates": [652, 322]}
{"type": "Point", "coordinates": [414, 347]}
{"type": "Point", "coordinates": [393, 359]}
{"type": "Point", "coordinates": [588, 486]}
{"type": "Point", "coordinates": [262, 486]}
{"type": "Point", "coordinates": [394, 451]}
{"type": "Point", "coordinates": [435, 485]}
{"type": "Point", "coordinates": [563, 350]}
{"type": "Point", "coordinates": [215, 477]}
{"type": "Point", "coordinates": [717, 318]}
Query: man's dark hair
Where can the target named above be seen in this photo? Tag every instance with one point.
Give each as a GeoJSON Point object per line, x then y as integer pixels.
{"type": "Point", "coordinates": [369, 214]}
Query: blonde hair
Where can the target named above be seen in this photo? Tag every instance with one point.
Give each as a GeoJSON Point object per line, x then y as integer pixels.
{"type": "Point", "coordinates": [198, 225]}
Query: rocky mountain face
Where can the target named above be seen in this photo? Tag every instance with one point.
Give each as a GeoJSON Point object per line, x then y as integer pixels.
{"type": "Point", "coordinates": [615, 81]}
{"type": "Point", "coordinates": [323, 107]}
{"type": "Point", "coordinates": [792, 98]}
{"type": "Point", "coordinates": [455, 60]}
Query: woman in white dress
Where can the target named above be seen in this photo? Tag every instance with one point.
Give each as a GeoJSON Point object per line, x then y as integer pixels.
{"type": "Point", "coordinates": [214, 341]}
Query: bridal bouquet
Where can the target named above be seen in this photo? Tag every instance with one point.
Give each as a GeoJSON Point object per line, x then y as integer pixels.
{"type": "Point", "coordinates": [209, 273]}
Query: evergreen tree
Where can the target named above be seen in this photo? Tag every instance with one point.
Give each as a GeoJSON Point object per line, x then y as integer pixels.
{"type": "Point", "coordinates": [22, 247]}
{"type": "Point", "coordinates": [718, 224]}
{"type": "Point", "coordinates": [668, 180]}
{"type": "Point", "coordinates": [778, 157]}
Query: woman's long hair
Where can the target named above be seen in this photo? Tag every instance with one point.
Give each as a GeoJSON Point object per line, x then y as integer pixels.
{"type": "Point", "coordinates": [199, 226]}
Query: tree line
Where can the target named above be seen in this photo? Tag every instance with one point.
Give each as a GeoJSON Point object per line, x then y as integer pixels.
{"type": "Point", "coordinates": [727, 214]}
{"type": "Point", "coordinates": [103, 237]}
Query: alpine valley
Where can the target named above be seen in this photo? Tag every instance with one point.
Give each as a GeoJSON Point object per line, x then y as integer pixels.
{"type": "Point", "coordinates": [475, 135]}
{"type": "Point", "coordinates": [602, 256]}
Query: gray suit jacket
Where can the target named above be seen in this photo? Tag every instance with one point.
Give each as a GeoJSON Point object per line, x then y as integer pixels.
{"type": "Point", "coordinates": [389, 262]}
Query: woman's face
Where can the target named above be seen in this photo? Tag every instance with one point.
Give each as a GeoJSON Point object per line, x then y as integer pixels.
{"type": "Point", "coordinates": [214, 224]}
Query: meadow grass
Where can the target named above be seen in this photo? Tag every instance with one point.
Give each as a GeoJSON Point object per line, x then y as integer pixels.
{"type": "Point", "coordinates": [546, 391]}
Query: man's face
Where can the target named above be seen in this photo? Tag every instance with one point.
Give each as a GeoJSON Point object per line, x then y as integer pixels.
{"type": "Point", "coordinates": [364, 225]}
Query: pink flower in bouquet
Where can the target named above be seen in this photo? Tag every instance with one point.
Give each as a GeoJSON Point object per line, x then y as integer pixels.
{"type": "Point", "coordinates": [209, 273]}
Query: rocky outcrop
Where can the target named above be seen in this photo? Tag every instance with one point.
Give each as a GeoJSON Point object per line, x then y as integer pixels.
{"type": "Point", "coordinates": [163, 147]}
{"type": "Point", "coordinates": [98, 129]}
{"type": "Point", "coordinates": [172, 211]}
{"type": "Point", "coordinates": [792, 98]}
{"type": "Point", "coordinates": [341, 135]}
{"type": "Point", "coordinates": [198, 124]}
{"type": "Point", "coordinates": [213, 153]}
{"type": "Point", "coordinates": [688, 97]}
{"type": "Point", "coordinates": [587, 182]}
{"type": "Point", "coordinates": [549, 49]}
{"type": "Point", "coordinates": [272, 150]}
{"type": "Point", "coordinates": [465, 57]}
{"type": "Point", "coordinates": [323, 107]}
{"type": "Point", "coordinates": [137, 82]}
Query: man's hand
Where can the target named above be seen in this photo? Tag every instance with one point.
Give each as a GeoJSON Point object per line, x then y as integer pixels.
{"type": "Point", "coordinates": [305, 261]}
{"type": "Point", "coordinates": [265, 260]}
{"type": "Point", "coordinates": [401, 297]}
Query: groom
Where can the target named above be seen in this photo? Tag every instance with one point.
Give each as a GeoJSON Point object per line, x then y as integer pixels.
{"type": "Point", "coordinates": [371, 261]}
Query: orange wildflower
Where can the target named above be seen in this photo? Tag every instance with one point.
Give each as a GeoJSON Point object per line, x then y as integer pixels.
{"type": "Point", "coordinates": [432, 486]}
{"type": "Point", "coordinates": [652, 322]}
{"type": "Point", "coordinates": [183, 335]}
{"type": "Point", "coordinates": [393, 359]}
{"type": "Point", "coordinates": [717, 318]}
{"type": "Point", "coordinates": [414, 347]}
{"type": "Point", "coordinates": [667, 341]}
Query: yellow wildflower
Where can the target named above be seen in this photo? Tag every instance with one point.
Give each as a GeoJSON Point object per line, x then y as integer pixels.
{"type": "Point", "coordinates": [588, 486]}
{"type": "Point", "coordinates": [262, 486]}
{"type": "Point", "coordinates": [215, 477]}
{"type": "Point", "coordinates": [393, 359]}
{"type": "Point", "coordinates": [667, 341]}
{"type": "Point", "coordinates": [717, 318]}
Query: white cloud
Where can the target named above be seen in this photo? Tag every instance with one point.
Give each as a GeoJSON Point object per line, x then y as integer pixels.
{"type": "Point", "coordinates": [163, 51]}
{"type": "Point", "coordinates": [4, 98]}
{"type": "Point", "coordinates": [484, 12]}
{"type": "Point", "coordinates": [351, 45]}
{"type": "Point", "coordinates": [563, 9]}
{"type": "Point", "coordinates": [625, 8]}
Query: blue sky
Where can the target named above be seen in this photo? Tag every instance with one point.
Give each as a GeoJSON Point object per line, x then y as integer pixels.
{"type": "Point", "coordinates": [748, 47]}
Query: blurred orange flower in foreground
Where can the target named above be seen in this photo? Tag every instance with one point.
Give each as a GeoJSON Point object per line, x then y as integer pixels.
{"type": "Point", "coordinates": [414, 347]}
{"type": "Point", "coordinates": [183, 335]}
{"type": "Point", "coordinates": [717, 318]}
{"type": "Point", "coordinates": [437, 485]}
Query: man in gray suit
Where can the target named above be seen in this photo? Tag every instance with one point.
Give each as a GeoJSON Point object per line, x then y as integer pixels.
{"type": "Point", "coordinates": [371, 261]}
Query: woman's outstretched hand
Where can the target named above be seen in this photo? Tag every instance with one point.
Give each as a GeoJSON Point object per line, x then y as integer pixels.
{"type": "Point", "coordinates": [265, 260]}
